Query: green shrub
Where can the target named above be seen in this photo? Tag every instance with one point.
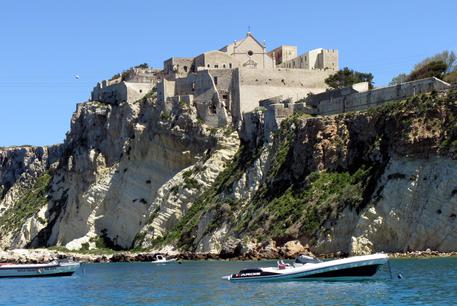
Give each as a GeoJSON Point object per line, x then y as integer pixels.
{"type": "Point", "coordinates": [432, 69]}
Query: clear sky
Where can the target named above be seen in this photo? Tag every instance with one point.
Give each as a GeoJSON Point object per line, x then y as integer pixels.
{"type": "Point", "coordinates": [45, 43]}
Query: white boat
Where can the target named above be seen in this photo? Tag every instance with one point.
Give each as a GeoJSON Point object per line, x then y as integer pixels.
{"type": "Point", "coordinates": [310, 268]}
{"type": "Point", "coordinates": [159, 259]}
{"type": "Point", "coordinates": [53, 268]}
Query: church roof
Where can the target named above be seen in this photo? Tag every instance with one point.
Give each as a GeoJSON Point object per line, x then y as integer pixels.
{"type": "Point", "coordinates": [239, 42]}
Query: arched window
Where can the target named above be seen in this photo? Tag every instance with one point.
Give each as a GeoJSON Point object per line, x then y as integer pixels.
{"type": "Point", "coordinates": [230, 65]}
{"type": "Point", "coordinates": [185, 68]}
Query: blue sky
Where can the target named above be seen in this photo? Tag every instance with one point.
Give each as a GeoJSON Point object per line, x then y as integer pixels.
{"type": "Point", "coordinates": [45, 43]}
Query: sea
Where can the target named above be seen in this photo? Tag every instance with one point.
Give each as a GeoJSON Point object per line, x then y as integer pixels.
{"type": "Point", "coordinates": [409, 282]}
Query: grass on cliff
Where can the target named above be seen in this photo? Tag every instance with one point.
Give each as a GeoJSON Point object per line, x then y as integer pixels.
{"type": "Point", "coordinates": [27, 205]}
{"type": "Point", "coordinates": [302, 210]}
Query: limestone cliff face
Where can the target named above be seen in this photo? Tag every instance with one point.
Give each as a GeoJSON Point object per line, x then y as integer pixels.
{"type": "Point", "coordinates": [356, 183]}
{"type": "Point", "coordinates": [110, 173]}
{"type": "Point", "coordinates": [19, 169]}
{"type": "Point", "coordinates": [150, 175]}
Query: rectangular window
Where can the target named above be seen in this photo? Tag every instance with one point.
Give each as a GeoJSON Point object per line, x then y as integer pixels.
{"type": "Point", "coordinates": [215, 80]}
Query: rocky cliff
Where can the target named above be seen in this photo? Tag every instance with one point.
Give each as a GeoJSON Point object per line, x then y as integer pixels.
{"type": "Point", "coordinates": [356, 183]}
{"type": "Point", "coordinates": [121, 168]}
{"type": "Point", "coordinates": [149, 175]}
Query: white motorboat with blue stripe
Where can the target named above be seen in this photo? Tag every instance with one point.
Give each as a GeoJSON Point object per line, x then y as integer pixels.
{"type": "Point", "coordinates": [54, 268]}
{"type": "Point", "coordinates": [308, 268]}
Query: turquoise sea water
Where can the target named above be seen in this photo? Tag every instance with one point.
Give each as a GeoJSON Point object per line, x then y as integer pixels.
{"type": "Point", "coordinates": [425, 281]}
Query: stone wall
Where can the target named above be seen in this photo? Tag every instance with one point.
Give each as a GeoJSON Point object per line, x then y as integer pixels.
{"type": "Point", "coordinates": [215, 60]}
{"type": "Point", "coordinates": [165, 89]}
{"type": "Point", "coordinates": [120, 92]}
{"type": "Point", "coordinates": [314, 59]}
{"type": "Point", "coordinates": [177, 67]}
{"type": "Point", "coordinates": [283, 53]}
{"type": "Point", "coordinates": [210, 107]}
{"type": "Point", "coordinates": [364, 100]}
{"type": "Point", "coordinates": [109, 93]}
{"type": "Point", "coordinates": [294, 84]}
{"type": "Point", "coordinates": [129, 85]}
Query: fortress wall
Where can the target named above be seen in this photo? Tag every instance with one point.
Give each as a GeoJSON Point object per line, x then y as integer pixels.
{"type": "Point", "coordinates": [184, 86]}
{"type": "Point", "coordinates": [224, 85]}
{"type": "Point", "coordinates": [333, 106]}
{"type": "Point", "coordinates": [136, 91]}
{"type": "Point", "coordinates": [216, 60]}
{"type": "Point", "coordinates": [165, 89]}
{"type": "Point", "coordinates": [364, 100]}
{"type": "Point", "coordinates": [299, 62]}
{"type": "Point", "coordinates": [284, 77]}
{"type": "Point", "coordinates": [111, 94]}
{"type": "Point", "coordinates": [224, 78]}
{"type": "Point", "coordinates": [198, 83]}
{"type": "Point", "coordinates": [259, 84]}
{"type": "Point", "coordinates": [207, 100]}
{"type": "Point", "coordinates": [177, 66]}
{"type": "Point", "coordinates": [330, 59]}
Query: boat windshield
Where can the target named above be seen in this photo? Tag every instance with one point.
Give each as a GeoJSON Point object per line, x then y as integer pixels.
{"type": "Point", "coordinates": [303, 259]}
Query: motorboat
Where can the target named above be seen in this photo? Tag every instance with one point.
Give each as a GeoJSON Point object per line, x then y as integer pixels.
{"type": "Point", "coordinates": [310, 268]}
{"type": "Point", "coordinates": [159, 259]}
{"type": "Point", "coordinates": [54, 268]}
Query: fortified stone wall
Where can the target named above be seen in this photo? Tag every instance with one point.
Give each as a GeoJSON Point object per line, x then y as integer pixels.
{"type": "Point", "coordinates": [121, 92]}
{"type": "Point", "coordinates": [283, 53]}
{"type": "Point", "coordinates": [210, 106]}
{"type": "Point", "coordinates": [294, 84]}
{"type": "Point", "coordinates": [332, 102]}
{"type": "Point", "coordinates": [215, 60]}
{"type": "Point", "coordinates": [165, 89]}
{"type": "Point", "coordinates": [224, 82]}
{"type": "Point", "coordinates": [109, 93]}
{"type": "Point", "coordinates": [314, 59]}
{"type": "Point", "coordinates": [364, 100]}
{"type": "Point", "coordinates": [330, 59]}
{"type": "Point", "coordinates": [136, 91]}
{"type": "Point", "coordinates": [130, 86]}
{"type": "Point", "coordinates": [142, 75]}
{"type": "Point", "coordinates": [177, 67]}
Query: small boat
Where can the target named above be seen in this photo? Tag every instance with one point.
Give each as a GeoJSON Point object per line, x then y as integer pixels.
{"type": "Point", "coordinates": [310, 268]}
{"type": "Point", "coordinates": [159, 259]}
{"type": "Point", "coordinates": [54, 268]}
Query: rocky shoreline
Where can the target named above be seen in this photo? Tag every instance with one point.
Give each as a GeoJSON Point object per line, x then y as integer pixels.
{"type": "Point", "coordinates": [45, 255]}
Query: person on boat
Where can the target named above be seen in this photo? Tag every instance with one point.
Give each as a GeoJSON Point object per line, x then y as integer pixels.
{"type": "Point", "coordinates": [281, 265]}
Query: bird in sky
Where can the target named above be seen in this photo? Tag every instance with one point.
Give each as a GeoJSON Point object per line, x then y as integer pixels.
{"type": "Point", "coordinates": [77, 76]}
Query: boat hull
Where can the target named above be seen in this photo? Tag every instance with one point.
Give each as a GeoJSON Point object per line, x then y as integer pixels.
{"type": "Point", "coordinates": [163, 261]}
{"type": "Point", "coordinates": [342, 269]}
{"type": "Point", "coordinates": [40, 270]}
